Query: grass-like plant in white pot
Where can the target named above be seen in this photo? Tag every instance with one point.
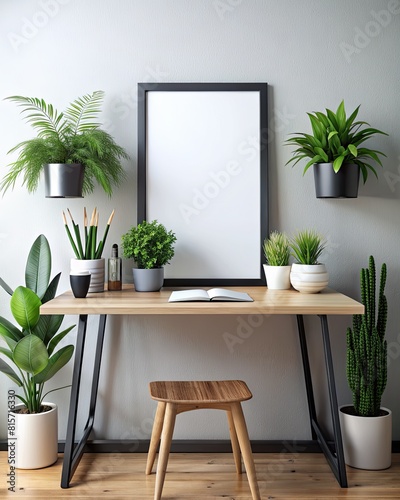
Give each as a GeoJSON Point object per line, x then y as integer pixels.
{"type": "Point", "coordinates": [30, 359]}
{"type": "Point", "coordinates": [308, 275]}
{"type": "Point", "coordinates": [335, 148]}
{"type": "Point", "coordinates": [151, 246]}
{"type": "Point", "coordinates": [276, 250]}
{"type": "Point", "coordinates": [70, 148]}
{"type": "Point", "coordinates": [88, 252]}
{"type": "Point", "coordinates": [367, 426]}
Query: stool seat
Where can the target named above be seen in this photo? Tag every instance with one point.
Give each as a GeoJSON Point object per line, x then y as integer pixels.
{"type": "Point", "coordinates": [175, 397]}
{"type": "Point", "coordinates": [191, 392]}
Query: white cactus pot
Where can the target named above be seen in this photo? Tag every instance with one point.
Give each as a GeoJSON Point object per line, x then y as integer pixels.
{"type": "Point", "coordinates": [33, 438]}
{"type": "Point", "coordinates": [367, 441]}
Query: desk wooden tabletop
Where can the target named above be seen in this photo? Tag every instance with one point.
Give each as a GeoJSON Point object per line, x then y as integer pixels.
{"type": "Point", "coordinates": [127, 301]}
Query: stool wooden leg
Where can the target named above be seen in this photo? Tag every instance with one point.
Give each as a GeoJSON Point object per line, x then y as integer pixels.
{"type": "Point", "coordinates": [235, 443]}
{"type": "Point", "coordinates": [155, 436]}
{"type": "Point", "coordinates": [244, 442]}
{"type": "Point", "coordinates": [165, 446]}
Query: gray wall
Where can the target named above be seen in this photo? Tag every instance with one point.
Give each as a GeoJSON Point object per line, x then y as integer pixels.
{"type": "Point", "coordinates": [313, 54]}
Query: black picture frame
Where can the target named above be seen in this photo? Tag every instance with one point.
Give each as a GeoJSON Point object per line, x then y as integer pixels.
{"type": "Point", "coordinates": [220, 115]}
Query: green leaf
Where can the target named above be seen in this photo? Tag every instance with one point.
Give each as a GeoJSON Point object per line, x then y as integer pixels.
{"type": "Point", "coordinates": [332, 119]}
{"type": "Point", "coordinates": [25, 307]}
{"type": "Point", "coordinates": [47, 327]}
{"type": "Point", "coordinates": [341, 116]}
{"type": "Point", "coordinates": [4, 285]}
{"type": "Point", "coordinates": [40, 115]}
{"type": "Point", "coordinates": [55, 363]}
{"type": "Point", "coordinates": [317, 128]}
{"type": "Point", "coordinates": [81, 113]}
{"type": "Point", "coordinates": [331, 134]}
{"type": "Point", "coordinates": [38, 266]}
{"type": "Point", "coordinates": [9, 332]}
{"type": "Point", "coordinates": [338, 163]}
{"type": "Point", "coordinates": [352, 149]}
{"type": "Point", "coordinates": [315, 159]}
{"type": "Point", "coordinates": [30, 354]}
{"type": "Point", "coordinates": [51, 289]}
{"type": "Point", "coordinates": [322, 154]}
{"type": "Point", "coordinates": [352, 117]}
{"type": "Point", "coordinates": [7, 370]}
{"type": "Point", "coordinates": [54, 341]}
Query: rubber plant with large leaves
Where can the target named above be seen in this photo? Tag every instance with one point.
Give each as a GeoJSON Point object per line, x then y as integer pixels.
{"type": "Point", "coordinates": [30, 357]}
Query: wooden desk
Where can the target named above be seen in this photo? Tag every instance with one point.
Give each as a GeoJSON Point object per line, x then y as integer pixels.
{"type": "Point", "coordinates": [265, 302]}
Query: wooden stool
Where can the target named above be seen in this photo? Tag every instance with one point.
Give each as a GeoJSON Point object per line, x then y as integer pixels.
{"type": "Point", "coordinates": [178, 397]}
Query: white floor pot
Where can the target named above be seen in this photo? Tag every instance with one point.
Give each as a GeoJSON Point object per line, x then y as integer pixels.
{"type": "Point", "coordinates": [33, 442]}
{"type": "Point", "coordinates": [148, 280]}
{"type": "Point", "coordinates": [367, 441]}
{"type": "Point", "coordinates": [96, 268]}
{"type": "Point", "coordinates": [278, 277]}
{"type": "Point", "coordinates": [309, 278]}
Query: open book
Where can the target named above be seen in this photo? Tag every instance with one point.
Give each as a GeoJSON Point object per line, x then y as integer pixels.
{"type": "Point", "coordinates": [221, 294]}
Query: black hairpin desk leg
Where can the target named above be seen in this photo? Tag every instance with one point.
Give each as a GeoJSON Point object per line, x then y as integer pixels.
{"type": "Point", "coordinates": [73, 453]}
{"type": "Point", "coordinates": [335, 457]}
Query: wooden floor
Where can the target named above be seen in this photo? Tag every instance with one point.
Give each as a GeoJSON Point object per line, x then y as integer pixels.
{"type": "Point", "coordinates": [202, 476]}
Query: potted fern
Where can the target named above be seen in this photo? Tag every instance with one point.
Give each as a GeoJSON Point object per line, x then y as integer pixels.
{"type": "Point", "coordinates": [277, 253]}
{"type": "Point", "coordinates": [32, 358]}
{"type": "Point", "coordinates": [308, 275]}
{"type": "Point", "coordinates": [367, 426]}
{"type": "Point", "coordinates": [335, 149]}
{"type": "Point", "coordinates": [70, 148]}
{"type": "Point", "coordinates": [151, 246]}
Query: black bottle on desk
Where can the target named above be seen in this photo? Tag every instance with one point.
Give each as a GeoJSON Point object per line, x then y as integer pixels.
{"type": "Point", "coordinates": [114, 270]}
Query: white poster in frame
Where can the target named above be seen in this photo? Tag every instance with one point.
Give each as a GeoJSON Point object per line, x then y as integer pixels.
{"type": "Point", "coordinates": [202, 172]}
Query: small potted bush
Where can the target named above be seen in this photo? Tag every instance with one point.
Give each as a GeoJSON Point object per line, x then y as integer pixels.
{"type": "Point", "coordinates": [71, 149]}
{"type": "Point", "coordinates": [277, 253]}
{"type": "Point", "coordinates": [367, 426]}
{"type": "Point", "coordinates": [152, 247]}
{"type": "Point", "coordinates": [335, 150]}
{"type": "Point", "coordinates": [308, 275]}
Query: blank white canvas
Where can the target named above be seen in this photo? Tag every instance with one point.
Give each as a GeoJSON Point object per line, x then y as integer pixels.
{"type": "Point", "coordinates": [203, 180]}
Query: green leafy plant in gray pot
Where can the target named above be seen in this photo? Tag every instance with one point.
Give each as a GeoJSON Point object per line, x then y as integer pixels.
{"type": "Point", "coordinates": [366, 426]}
{"type": "Point", "coordinates": [308, 275]}
{"type": "Point", "coordinates": [30, 359]}
{"type": "Point", "coordinates": [276, 250]}
{"type": "Point", "coordinates": [70, 147]}
{"type": "Point", "coordinates": [335, 149]}
{"type": "Point", "coordinates": [151, 246]}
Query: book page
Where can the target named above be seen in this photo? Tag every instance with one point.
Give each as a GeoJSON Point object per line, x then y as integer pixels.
{"type": "Point", "coordinates": [225, 294]}
{"type": "Point", "coordinates": [187, 295]}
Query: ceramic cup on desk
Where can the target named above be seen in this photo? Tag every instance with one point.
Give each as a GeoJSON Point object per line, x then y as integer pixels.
{"type": "Point", "coordinates": [80, 282]}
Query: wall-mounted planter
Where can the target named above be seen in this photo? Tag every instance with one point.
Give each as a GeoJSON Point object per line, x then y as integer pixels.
{"type": "Point", "coordinates": [343, 184]}
{"type": "Point", "coordinates": [63, 180]}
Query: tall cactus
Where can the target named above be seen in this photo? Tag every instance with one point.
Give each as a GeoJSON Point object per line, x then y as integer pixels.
{"type": "Point", "coordinates": [366, 346]}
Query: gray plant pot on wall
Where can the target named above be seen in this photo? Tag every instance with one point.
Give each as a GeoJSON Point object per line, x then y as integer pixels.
{"type": "Point", "coordinates": [343, 184]}
{"type": "Point", "coordinates": [63, 180]}
{"type": "Point", "coordinates": [148, 280]}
